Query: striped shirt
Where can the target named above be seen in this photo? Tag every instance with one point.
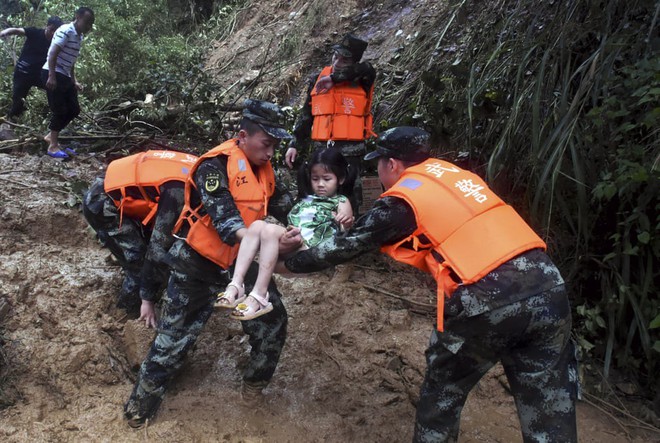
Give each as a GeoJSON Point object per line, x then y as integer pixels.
{"type": "Point", "coordinates": [68, 39]}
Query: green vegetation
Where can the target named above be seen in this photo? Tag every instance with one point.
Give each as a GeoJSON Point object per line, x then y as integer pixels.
{"type": "Point", "coordinates": [557, 104]}
{"type": "Point", "coordinates": [136, 48]}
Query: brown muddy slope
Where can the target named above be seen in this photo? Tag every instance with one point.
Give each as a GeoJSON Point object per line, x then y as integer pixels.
{"type": "Point", "coordinates": [350, 371]}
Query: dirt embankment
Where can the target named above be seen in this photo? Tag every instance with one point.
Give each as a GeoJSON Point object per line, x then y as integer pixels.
{"type": "Point", "coordinates": [276, 45]}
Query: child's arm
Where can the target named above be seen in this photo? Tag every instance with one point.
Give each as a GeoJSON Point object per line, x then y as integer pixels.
{"type": "Point", "coordinates": [344, 214]}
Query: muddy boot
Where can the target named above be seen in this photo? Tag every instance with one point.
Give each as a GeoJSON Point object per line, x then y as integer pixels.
{"type": "Point", "coordinates": [252, 392]}
{"type": "Point", "coordinates": [139, 413]}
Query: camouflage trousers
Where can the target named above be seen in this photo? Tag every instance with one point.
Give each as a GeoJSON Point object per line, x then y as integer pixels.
{"type": "Point", "coordinates": [126, 239]}
{"type": "Point", "coordinates": [531, 338]}
{"type": "Point", "coordinates": [186, 308]}
{"type": "Point", "coordinates": [354, 153]}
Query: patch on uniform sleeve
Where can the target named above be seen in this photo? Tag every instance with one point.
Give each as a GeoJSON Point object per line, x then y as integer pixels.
{"type": "Point", "coordinates": [242, 166]}
{"type": "Point", "coordinates": [212, 182]}
{"type": "Point", "coordinates": [410, 183]}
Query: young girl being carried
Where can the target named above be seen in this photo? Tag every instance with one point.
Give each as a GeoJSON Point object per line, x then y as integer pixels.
{"type": "Point", "coordinates": [321, 211]}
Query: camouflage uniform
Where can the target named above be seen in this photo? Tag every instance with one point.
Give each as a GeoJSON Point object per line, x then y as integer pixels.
{"type": "Point", "coordinates": [139, 250]}
{"type": "Point", "coordinates": [186, 307]}
{"type": "Point", "coordinates": [517, 314]}
{"type": "Point", "coordinates": [362, 73]}
{"type": "Point", "coordinates": [192, 289]}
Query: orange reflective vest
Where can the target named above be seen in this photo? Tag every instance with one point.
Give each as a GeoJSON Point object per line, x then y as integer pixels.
{"type": "Point", "coordinates": [251, 194]}
{"type": "Point", "coordinates": [342, 113]}
{"type": "Point", "coordinates": [142, 171]}
{"type": "Point", "coordinates": [462, 227]}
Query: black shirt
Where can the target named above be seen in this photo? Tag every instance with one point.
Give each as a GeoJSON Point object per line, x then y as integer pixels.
{"type": "Point", "coordinates": [34, 52]}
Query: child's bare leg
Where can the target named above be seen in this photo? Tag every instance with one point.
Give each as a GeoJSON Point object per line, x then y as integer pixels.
{"type": "Point", "coordinates": [268, 253]}
{"type": "Point", "coordinates": [246, 253]}
{"type": "Point", "coordinates": [257, 304]}
{"type": "Point", "coordinates": [248, 250]}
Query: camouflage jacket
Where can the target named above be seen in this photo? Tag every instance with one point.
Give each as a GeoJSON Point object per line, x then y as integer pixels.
{"type": "Point", "coordinates": [106, 219]}
{"type": "Point", "coordinates": [220, 206]}
{"type": "Point", "coordinates": [154, 270]}
{"type": "Point", "coordinates": [391, 220]}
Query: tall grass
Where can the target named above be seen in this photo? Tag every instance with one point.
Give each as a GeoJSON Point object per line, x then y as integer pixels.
{"type": "Point", "coordinates": [557, 105]}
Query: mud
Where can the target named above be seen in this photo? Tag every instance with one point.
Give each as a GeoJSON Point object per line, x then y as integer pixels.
{"type": "Point", "coordinates": [351, 369]}
{"type": "Point", "coordinates": [354, 359]}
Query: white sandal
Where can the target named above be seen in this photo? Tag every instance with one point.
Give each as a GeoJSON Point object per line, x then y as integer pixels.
{"type": "Point", "coordinates": [223, 301]}
{"type": "Point", "coordinates": [244, 312]}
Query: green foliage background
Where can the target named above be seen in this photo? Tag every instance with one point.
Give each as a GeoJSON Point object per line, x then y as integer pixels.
{"type": "Point", "coordinates": [557, 104]}
{"type": "Point", "coordinates": [136, 48]}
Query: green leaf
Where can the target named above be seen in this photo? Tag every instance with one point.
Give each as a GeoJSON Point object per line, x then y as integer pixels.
{"type": "Point", "coordinates": [586, 345]}
{"type": "Point", "coordinates": [609, 256]}
{"type": "Point", "coordinates": [644, 237]}
{"type": "Point", "coordinates": [656, 346]}
{"type": "Point", "coordinates": [609, 191]}
{"type": "Point", "coordinates": [627, 127]}
{"type": "Point", "coordinates": [631, 250]}
{"type": "Point", "coordinates": [655, 323]}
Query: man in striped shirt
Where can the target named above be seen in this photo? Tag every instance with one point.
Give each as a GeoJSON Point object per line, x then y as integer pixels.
{"type": "Point", "coordinates": [59, 77]}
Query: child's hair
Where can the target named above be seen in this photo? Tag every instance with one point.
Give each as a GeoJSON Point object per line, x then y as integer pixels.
{"type": "Point", "coordinates": [335, 162]}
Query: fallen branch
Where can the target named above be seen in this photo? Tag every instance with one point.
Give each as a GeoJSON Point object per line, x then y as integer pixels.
{"type": "Point", "coordinates": [15, 171]}
{"type": "Point", "coordinates": [16, 125]}
{"type": "Point", "coordinates": [8, 145]}
{"type": "Point", "coordinates": [618, 422]}
{"type": "Point", "coordinates": [369, 268]}
{"type": "Point", "coordinates": [18, 183]}
{"type": "Point", "coordinates": [91, 137]}
{"type": "Point", "coordinates": [642, 424]}
{"type": "Point", "coordinates": [425, 307]}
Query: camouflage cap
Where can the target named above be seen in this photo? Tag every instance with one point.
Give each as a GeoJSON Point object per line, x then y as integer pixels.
{"type": "Point", "coordinates": [268, 116]}
{"type": "Point", "coordinates": [403, 143]}
{"type": "Point", "coordinates": [351, 46]}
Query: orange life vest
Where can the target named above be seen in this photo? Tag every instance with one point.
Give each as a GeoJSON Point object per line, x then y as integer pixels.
{"type": "Point", "coordinates": [143, 171]}
{"type": "Point", "coordinates": [341, 113]}
{"type": "Point", "coordinates": [462, 227]}
{"type": "Point", "coordinates": [251, 194]}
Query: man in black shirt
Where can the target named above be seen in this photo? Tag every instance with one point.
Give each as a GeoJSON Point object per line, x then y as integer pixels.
{"type": "Point", "coordinates": [27, 72]}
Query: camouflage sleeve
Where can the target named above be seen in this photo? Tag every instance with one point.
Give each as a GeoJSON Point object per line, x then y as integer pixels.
{"type": "Point", "coordinates": [302, 130]}
{"type": "Point", "coordinates": [390, 220]}
{"type": "Point", "coordinates": [280, 203]}
{"type": "Point", "coordinates": [154, 270]}
{"type": "Point", "coordinates": [213, 187]}
{"type": "Point", "coordinates": [364, 73]}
